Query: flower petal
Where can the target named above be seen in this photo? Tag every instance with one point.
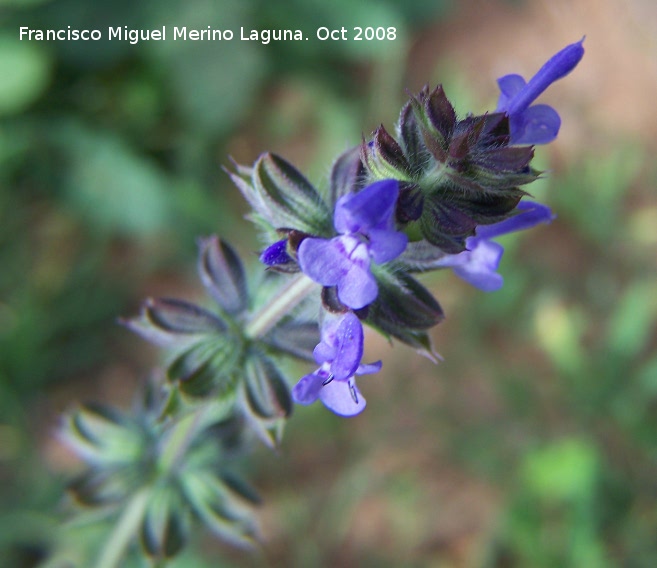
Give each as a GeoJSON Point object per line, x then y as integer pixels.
{"type": "Point", "coordinates": [557, 67]}
{"type": "Point", "coordinates": [307, 390]}
{"type": "Point", "coordinates": [538, 124]}
{"type": "Point", "coordinates": [357, 288]}
{"type": "Point", "coordinates": [510, 86]}
{"type": "Point", "coordinates": [276, 254]}
{"type": "Point", "coordinates": [531, 213]}
{"type": "Point", "coordinates": [349, 350]}
{"type": "Point", "coordinates": [323, 260]}
{"type": "Point", "coordinates": [337, 396]}
{"type": "Point", "coordinates": [325, 351]}
{"type": "Point", "coordinates": [373, 207]}
{"type": "Point", "coordinates": [482, 262]}
{"type": "Point", "coordinates": [369, 368]}
{"type": "Point", "coordinates": [386, 245]}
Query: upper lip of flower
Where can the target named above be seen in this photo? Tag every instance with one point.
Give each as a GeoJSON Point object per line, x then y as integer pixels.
{"type": "Point", "coordinates": [537, 124]}
{"type": "Point", "coordinates": [520, 95]}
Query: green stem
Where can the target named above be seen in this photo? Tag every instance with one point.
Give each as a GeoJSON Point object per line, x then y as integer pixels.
{"type": "Point", "coordinates": [183, 433]}
{"type": "Point", "coordinates": [124, 531]}
{"type": "Point", "coordinates": [286, 300]}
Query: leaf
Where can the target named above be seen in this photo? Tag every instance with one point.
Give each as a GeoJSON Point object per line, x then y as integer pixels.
{"type": "Point", "coordinates": [112, 187]}
{"type": "Point", "coordinates": [238, 486]}
{"type": "Point", "coordinates": [389, 151]}
{"type": "Point", "coordinates": [180, 317]}
{"type": "Point", "coordinates": [632, 324]}
{"type": "Point", "coordinates": [440, 113]}
{"type": "Point", "coordinates": [445, 226]}
{"type": "Point", "coordinates": [420, 256]}
{"type": "Point", "coordinates": [25, 69]}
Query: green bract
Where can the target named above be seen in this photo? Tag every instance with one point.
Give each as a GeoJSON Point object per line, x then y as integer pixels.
{"type": "Point", "coordinates": [174, 471]}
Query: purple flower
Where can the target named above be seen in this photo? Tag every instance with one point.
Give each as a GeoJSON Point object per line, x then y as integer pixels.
{"type": "Point", "coordinates": [538, 124]}
{"type": "Point", "coordinates": [339, 355]}
{"type": "Point", "coordinates": [276, 254]}
{"type": "Point", "coordinates": [365, 221]}
{"type": "Point", "coordinates": [479, 263]}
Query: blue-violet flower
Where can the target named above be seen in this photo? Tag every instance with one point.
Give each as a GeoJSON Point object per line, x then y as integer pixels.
{"type": "Point", "coordinates": [365, 221]}
{"type": "Point", "coordinates": [339, 355]}
{"type": "Point", "coordinates": [276, 254]}
{"type": "Point", "coordinates": [537, 124]}
{"type": "Point", "coordinates": [478, 264]}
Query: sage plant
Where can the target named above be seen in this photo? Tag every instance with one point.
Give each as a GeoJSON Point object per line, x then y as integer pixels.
{"type": "Point", "coordinates": [433, 196]}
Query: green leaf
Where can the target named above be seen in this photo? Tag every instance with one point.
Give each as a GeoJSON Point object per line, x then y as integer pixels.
{"type": "Point", "coordinates": [25, 69]}
{"type": "Point", "coordinates": [174, 323]}
{"type": "Point", "coordinates": [404, 303]}
{"type": "Point", "coordinates": [411, 139]}
{"type": "Point", "coordinates": [564, 470]}
{"type": "Point", "coordinates": [384, 158]}
{"type": "Point", "coordinates": [180, 317]}
{"type": "Point", "coordinates": [420, 256]}
{"type": "Point", "coordinates": [633, 320]}
{"type": "Point", "coordinates": [213, 83]}
{"type": "Point", "coordinates": [113, 188]}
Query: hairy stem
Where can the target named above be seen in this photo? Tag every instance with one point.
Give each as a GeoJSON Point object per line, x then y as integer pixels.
{"type": "Point", "coordinates": [185, 430]}
{"type": "Point", "coordinates": [292, 294]}
{"type": "Point", "coordinates": [124, 531]}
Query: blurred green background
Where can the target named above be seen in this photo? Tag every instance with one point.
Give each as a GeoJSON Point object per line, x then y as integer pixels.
{"type": "Point", "coordinates": [533, 444]}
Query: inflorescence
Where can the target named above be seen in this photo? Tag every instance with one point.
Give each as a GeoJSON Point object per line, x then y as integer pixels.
{"type": "Point", "coordinates": [433, 196]}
